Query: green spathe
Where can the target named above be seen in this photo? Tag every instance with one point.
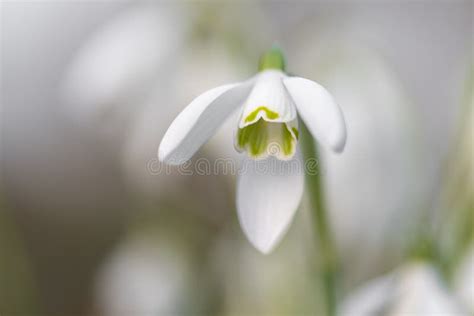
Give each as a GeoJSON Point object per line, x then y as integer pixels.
{"type": "Point", "coordinates": [272, 59]}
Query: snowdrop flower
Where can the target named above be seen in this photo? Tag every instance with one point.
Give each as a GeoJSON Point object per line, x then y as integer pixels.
{"type": "Point", "coordinates": [270, 104]}
{"type": "Point", "coordinates": [414, 289]}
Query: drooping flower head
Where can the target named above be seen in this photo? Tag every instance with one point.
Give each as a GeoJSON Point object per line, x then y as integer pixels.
{"type": "Point", "coordinates": [269, 115]}
{"type": "Point", "coordinates": [270, 104]}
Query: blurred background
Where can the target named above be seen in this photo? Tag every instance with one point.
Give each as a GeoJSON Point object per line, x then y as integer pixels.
{"type": "Point", "coordinates": [88, 89]}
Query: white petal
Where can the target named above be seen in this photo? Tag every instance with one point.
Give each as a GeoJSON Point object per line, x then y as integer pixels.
{"type": "Point", "coordinates": [269, 93]}
{"type": "Point", "coordinates": [371, 298]}
{"type": "Point", "coordinates": [200, 120]}
{"type": "Point", "coordinates": [414, 289]}
{"type": "Point", "coordinates": [268, 194]}
{"type": "Point", "coordinates": [422, 292]}
{"type": "Point", "coordinates": [319, 112]}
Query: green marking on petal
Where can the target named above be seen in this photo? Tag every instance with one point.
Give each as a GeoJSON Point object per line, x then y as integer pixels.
{"type": "Point", "coordinates": [257, 137]}
{"type": "Point", "coordinates": [295, 131]}
{"type": "Point", "coordinates": [287, 141]}
{"type": "Point", "coordinates": [254, 137]}
{"type": "Point", "coordinates": [272, 59]}
{"type": "Point", "coordinates": [270, 114]}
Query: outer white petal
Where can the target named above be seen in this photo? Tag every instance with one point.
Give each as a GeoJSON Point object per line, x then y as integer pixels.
{"type": "Point", "coordinates": [268, 194]}
{"type": "Point", "coordinates": [200, 120]}
{"type": "Point", "coordinates": [421, 292]}
{"type": "Point", "coordinates": [321, 114]}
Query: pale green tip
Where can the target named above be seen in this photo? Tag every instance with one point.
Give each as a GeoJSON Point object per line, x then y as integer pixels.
{"type": "Point", "coordinates": [272, 59]}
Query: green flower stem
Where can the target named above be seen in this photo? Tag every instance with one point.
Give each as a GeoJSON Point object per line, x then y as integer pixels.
{"type": "Point", "coordinates": [328, 260]}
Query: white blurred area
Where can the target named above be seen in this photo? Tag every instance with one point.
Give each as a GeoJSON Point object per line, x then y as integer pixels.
{"type": "Point", "coordinates": [89, 87]}
{"type": "Point", "coordinates": [413, 289]}
{"type": "Point", "coordinates": [376, 187]}
{"type": "Point", "coordinates": [282, 282]}
{"type": "Point", "coordinates": [464, 280]}
{"type": "Point", "coordinates": [120, 64]}
{"type": "Point", "coordinates": [144, 276]}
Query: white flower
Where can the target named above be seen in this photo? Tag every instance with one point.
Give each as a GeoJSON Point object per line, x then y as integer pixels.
{"type": "Point", "coordinates": [414, 289]}
{"type": "Point", "coordinates": [270, 105]}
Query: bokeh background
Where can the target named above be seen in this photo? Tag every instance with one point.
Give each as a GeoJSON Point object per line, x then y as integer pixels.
{"type": "Point", "coordinates": [88, 89]}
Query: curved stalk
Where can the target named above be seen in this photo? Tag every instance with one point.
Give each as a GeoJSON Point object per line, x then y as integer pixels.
{"type": "Point", "coordinates": [328, 258]}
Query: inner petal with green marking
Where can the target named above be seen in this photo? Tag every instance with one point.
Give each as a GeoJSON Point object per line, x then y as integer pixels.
{"type": "Point", "coordinates": [262, 139]}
